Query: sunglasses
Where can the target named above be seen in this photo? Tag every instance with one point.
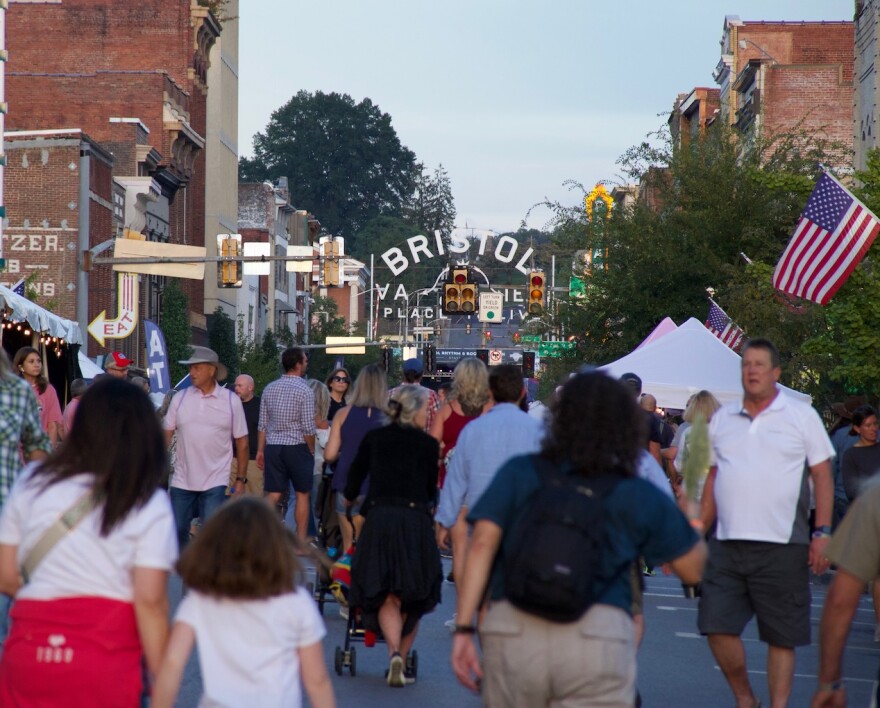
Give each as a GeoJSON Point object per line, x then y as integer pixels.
{"type": "Point", "coordinates": [341, 379]}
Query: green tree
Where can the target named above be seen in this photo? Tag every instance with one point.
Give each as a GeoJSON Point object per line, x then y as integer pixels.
{"type": "Point", "coordinates": [221, 338]}
{"type": "Point", "coordinates": [719, 218]}
{"type": "Point", "coordinates": [431, 206]}
{"type": "Point", "coordinates": [259, 359]}
{"type": "Point", "coordinates": [344, 160]}
{"type": "Point", "coordinates": [175, 327]}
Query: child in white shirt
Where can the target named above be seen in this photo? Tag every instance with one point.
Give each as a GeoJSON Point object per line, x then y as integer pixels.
{"type": "Point", "coordinates": [257, 632]}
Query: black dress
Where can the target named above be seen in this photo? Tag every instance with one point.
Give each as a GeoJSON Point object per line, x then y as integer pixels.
{"type": "Point", "coordinates": [396, 551]}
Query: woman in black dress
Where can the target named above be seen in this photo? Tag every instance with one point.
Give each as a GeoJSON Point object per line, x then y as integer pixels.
{"type": "Point", "coordinates": [396, 572]}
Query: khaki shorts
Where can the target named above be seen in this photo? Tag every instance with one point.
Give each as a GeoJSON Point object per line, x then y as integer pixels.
{"type": "Point", "coordinates": [254, 476]}
{"type": "Point", "coordinates": [529, 661]}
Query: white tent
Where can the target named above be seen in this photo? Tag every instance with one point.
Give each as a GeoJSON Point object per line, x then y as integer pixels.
{"type": "Point", "coordinates": [683, 362]}
{"type": "Point", "coordinates": [88, 368]}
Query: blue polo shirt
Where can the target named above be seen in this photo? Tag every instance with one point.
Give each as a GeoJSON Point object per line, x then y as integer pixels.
{"type": "Point", "coordinates": [641, 521]}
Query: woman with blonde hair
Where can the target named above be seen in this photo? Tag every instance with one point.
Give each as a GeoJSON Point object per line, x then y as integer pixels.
{"type": "Point", "coordinates": [703, 405]}
{"type": "Point", "coordinates": [396, 572]}
{"type": "Point", "coordinates": [468, 399]}
{"type": "Point", "coordinates": [366, 411]}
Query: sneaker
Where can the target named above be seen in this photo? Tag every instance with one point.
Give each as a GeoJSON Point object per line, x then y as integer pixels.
{"type": "Point", "coordinates": [648, 571]}
{"type": "Point", "coordinates": [409, 678]}
{"type": "Point", "coordinates": [450, 624]}
{"type": "Point", "coordinates": [450, 578]}
{"type": "Point", "coordinates": [395, 671]}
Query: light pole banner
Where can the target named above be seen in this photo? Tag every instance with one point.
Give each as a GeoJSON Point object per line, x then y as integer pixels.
{"type": "Point", "coordinates": [157, 358]}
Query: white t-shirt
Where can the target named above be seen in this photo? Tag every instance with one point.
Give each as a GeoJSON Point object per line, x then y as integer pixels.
{"type": "Point", "coordinates": [248, 648]}
{"type": "Point", "coordinates": [761, 487]}
{"type": "Point", "coordinates": [84, 563]}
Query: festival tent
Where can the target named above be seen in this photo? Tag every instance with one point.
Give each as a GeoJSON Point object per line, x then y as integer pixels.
{"type": "Point", "coordinates": [665, 327]}
{"type": "Point", "coordinates": [683, 362]}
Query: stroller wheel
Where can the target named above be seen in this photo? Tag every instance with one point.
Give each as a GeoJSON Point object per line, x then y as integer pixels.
{"type": "Point", "coordinates": [337, 661]}
{"type": "Point", "coordinates": [352, 662]}
{"type": "Point", "coordinates": [412, 663]}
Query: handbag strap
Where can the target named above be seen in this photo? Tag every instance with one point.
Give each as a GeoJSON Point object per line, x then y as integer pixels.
{"type": "Point", "coordinates": [66, 523]}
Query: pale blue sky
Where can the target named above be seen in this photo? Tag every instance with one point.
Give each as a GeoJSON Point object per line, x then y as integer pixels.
{"type": "Point", "coordinates": [513, 96]}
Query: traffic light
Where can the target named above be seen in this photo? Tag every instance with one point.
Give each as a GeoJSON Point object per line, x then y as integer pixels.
{"type": "Point", "coordinates": [483, 355]}
{"type": "Point", "coordinates": [452, 292]}
{"type": "Point", "coordinates": [451, 299]}
{"type": "Point", "coordinates": [387, 359]}
{"type": "Point", "coordinates": [469, 298]}
{"type": "Point", "coordinates": [430, 357]}
{"type": "Point", "coordinates": [528, 365]}
{"type": "Point", "coordinates": [330, 260]}
{"type": "Point", "coordinates": [536, 292]}
{"type": "Point", "coordinates": [228, 269]}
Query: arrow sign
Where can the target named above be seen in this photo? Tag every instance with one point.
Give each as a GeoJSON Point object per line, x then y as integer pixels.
{"type": "Point", "coordinates": [126, 319]}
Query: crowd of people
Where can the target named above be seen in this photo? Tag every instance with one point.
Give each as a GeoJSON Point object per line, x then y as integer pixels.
{"type": "Point", "coordinates": [95, 519]}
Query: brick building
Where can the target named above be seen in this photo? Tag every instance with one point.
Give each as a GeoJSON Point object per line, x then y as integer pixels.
{"type": "Point", "coordinates": [867, 80]}
{"type": "Point", "coordinates": [266, 215]}
{"type": "Point", "coordinates": [778, 76]}
{"type": "Point", "coordinates": [692, 113]}
{"type": "Point", "coordinates": [130, 78]}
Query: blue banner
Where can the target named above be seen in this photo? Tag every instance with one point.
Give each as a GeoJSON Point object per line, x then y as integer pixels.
{"type": "Point", "coordinates": [157, 358]}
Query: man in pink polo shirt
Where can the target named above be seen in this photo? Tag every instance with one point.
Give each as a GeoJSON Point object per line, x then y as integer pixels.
{"type": "Point", "coordinates": [205, 417]}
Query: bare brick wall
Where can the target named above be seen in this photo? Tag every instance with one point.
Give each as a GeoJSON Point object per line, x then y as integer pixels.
{"type": "Point", "coordinates": [799, 43]}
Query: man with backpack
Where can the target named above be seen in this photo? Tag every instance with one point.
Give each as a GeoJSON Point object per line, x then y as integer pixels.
{"type": "Point", "coordinates": [555, 537]}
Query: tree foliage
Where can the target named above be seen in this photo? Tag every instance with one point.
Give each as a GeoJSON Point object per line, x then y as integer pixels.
{"type": "Point", "coordinates": [344, 160]}
{"type": "Point", "coordinates": [715, 219]}
{"type": "Point", "coordinates": [221, 338]}
{"type": "Point", "coordinates": [431, 206]}
{"type": "Point", "coordinates": [175, 327]}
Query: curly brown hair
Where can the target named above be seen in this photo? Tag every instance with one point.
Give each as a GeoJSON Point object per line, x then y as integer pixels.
{"type": "Point", "coordinates": [597, 427]}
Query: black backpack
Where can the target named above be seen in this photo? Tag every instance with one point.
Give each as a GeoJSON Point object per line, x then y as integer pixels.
{"type": "Point", "coordinates": [556, 545]}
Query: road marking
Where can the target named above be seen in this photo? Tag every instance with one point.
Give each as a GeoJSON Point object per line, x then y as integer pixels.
{"type": "Point", "coordinates": [807, 676]}
{"type": "Point", "coordinates": [669, 608]}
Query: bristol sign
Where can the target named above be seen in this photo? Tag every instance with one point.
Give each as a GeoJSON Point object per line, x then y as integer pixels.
{"type": "Point", "coordinates": [419, 249]}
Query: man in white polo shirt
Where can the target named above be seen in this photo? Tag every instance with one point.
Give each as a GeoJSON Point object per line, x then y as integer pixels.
{"type": "Point", "coordinates": [764, 449]}
{"type": "Point", "coordinates": [206, 417]}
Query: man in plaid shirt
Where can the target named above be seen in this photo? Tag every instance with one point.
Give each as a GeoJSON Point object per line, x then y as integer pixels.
{"type": "Point", "coordinates": [286, 443]}
{"type": "Point", "coordinates": [20, 433]}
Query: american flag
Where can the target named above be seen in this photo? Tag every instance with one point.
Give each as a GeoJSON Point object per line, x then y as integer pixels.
{"type": "Point", "coordinates": [18, 288]}
{"type": "Point", "coordinates": [719, 324]}
{"type": "Point", "coordinates": [830, 239]}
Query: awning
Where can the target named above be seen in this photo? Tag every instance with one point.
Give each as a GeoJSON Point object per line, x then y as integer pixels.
{"type": "Point", "coordinates": [20, 308]}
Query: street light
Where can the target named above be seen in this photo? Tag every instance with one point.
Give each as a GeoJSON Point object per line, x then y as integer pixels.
{"type": "Point", "coordinates": [744, 43]}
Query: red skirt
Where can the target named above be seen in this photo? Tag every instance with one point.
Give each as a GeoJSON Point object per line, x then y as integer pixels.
{"type": "Point", "coordinates": [81, 652]}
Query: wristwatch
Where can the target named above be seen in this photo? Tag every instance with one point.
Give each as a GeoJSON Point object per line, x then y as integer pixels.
{"type": "Point", "coordinates": [243, 480]}
{"type": "Point", "coordinates": [831, 685]}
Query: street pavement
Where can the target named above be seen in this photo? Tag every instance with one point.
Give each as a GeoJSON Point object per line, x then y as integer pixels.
{"type": "Point", "coordinates": [676, 667]}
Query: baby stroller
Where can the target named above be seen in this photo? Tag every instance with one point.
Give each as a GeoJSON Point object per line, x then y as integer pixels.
{"type": "Point", "coordinates": [328, 540]}
{"type": "Point", "coordinates": [345, 656]}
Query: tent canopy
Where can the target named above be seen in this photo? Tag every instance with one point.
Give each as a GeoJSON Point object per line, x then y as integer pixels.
{"type": "Point", "coordinates": [39, 318]}
{"type": "Point", "coordinates": [683, 362]}
{"type": "Point", "coordinates": [665, 327]}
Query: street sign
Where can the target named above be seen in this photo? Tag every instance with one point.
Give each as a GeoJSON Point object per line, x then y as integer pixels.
{"type": "Point", "coordinates": [126, 314]}
{"type": "Point", "coordinates": [491, 305]}
{"type": "Point", "coordinates": [530, 338]}
{"type": "Point", "coordinates": [495, 357]}
{"type": "Point", "coordinates": [132, 248]}
{"type": "Point", "coordinates": [555, 349]}
{"type": "Point", "coordinates": [346, 345]}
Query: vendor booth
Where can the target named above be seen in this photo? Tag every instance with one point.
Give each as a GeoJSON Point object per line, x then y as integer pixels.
{"type": "Point", "coordinates": [683, 361]}
{"type": "Point", "coordinates": [26, 324]}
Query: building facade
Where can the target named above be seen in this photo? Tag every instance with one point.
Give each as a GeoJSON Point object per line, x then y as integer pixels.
{"type": "Point", "coordinates": [132, 78]}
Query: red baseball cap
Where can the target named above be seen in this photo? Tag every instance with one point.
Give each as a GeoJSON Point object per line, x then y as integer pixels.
{"type": "Point", "coordinates": [117, 360]}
